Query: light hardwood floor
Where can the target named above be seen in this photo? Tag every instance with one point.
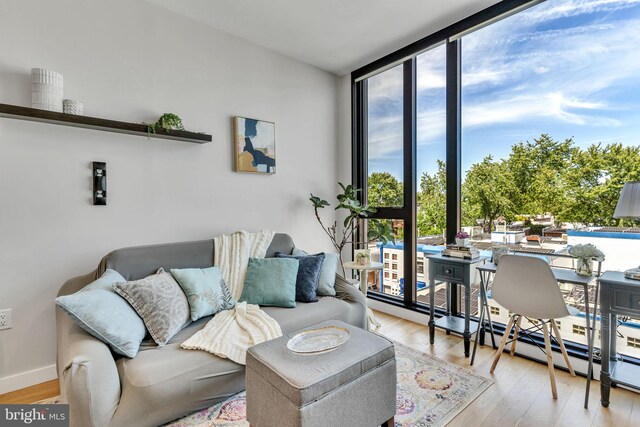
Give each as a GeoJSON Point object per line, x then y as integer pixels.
{"type": "Point", "coordinates": [521, 395]}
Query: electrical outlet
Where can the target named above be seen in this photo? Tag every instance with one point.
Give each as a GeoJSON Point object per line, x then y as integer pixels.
{"type": "Point", "coordinates": [5, 319]}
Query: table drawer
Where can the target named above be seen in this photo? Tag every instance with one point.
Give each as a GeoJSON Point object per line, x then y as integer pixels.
{"type": "Point", "coordinates": [450, 271]}
{"type": "Point", "coordinates": [625, 299]}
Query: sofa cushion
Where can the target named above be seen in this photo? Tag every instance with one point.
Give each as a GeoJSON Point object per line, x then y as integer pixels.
{"type": "Point", "coordinates": [270, 282]}
{"type": "Point", "coordinates": [206, 290]}
{"type": "Point", "coordinates": [307, 314]}
{"type": "Point", "coordinates": [106, 315]}
{"type": "Point", "coordinates": [167, 382]}
{"type": "Point", "coordinates": [161, 303]}
{"type": "Point", "coordinates": [308, 275]}
{"type": "Point", "coordinates": [327, 280]}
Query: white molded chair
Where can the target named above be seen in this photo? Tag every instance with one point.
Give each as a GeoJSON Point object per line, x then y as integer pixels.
{"type": "Point", "coordinates": [526, 287]}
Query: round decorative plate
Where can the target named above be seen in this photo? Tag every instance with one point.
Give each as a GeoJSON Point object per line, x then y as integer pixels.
{"type": "Point", "coordinates": [318, 340]}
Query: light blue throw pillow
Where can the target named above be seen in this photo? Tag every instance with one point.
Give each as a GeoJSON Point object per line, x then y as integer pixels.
{"type": "Point", "coordinates": [206, 290]}
{"type": "Point", "coordinates": [326, 284]}
{"type": "Point", "coordinates": [97, 309]}
{"type": "Point", "coordinates": [271, 282]}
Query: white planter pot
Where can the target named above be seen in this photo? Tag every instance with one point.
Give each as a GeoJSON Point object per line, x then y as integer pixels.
{"type": "Point", "coordinates": [46, 89]}
{"type": "Point", "coordinates": [462, 242]}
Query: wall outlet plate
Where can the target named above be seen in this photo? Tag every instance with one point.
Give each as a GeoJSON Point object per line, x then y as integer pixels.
{"type": "Point", "coordinates": [5, 319]}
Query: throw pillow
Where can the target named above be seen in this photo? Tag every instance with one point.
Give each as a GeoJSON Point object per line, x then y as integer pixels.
{"type": "Point", "coordinates": [97, 309]}
{"type": "Point", "coordinates": [327, 281]}
{"type": "Point", "coordinates": [206, 290]}
{"type": "Point", "coordinates": [271, 281]}
{"type": "Point", "coordinates": [159, 300]}
{"type": "Point", "coordinates": [308, 275]}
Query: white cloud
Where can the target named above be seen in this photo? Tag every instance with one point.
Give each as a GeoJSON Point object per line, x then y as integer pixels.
{"type": "Point", "coordinates": [529, 68]}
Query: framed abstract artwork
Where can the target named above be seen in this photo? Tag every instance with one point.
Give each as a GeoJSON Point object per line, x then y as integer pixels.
{"type": "Point", "coordinates": [255, 145]}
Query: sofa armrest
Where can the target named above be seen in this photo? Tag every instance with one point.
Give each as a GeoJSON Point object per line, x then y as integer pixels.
{"type": "Point", "coordinates": [346, 291]}
{"type": "Point", "coordinates": [87, 371]}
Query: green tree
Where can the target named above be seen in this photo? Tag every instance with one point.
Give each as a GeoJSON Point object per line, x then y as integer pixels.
{"type": "Point", "coordinates": [538, 171]}
{"type": "Point", "coordinates": [432, 202]}
{"type": "Point", "coordinates": [490, 191]}
{"type": "Point", "coordinates": [594, 181]}
{"type": "Point", "coordinates": [384, 190]}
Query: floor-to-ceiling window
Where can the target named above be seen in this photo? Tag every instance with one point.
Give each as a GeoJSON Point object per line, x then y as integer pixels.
{"type": "Point", "coordinates": [526, 123]}
{"type": "Point", "coordinates": [550, 133]}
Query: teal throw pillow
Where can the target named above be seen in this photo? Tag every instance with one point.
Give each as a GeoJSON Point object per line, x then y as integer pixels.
{"type": "Point", "coordinates": [206, 290]}
{"type": "Point", "coordinates": [271, 282]}
{"type": "Point", "coordinates": [326, 283]}
{"type": "Point", "coordinates": [97, 309]}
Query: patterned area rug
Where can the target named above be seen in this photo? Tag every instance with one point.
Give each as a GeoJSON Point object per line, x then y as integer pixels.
{"type": "Point", "coordinates": [431, 392]}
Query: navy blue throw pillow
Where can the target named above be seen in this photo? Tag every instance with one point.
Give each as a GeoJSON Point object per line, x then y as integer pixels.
{"type": "Point", "coordinates": [308, 275]}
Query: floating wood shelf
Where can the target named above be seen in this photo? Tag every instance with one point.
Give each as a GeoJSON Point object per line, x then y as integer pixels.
{"type": "Point", "coordinates": [33, 114]}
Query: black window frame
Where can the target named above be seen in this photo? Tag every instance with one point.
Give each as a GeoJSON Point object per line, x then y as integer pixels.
{"type": "Point", "coordinates": [407, 57]}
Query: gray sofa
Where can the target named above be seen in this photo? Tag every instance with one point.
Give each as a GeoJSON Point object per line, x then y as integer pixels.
{"type": "Point", "coordinates": [164, 383]}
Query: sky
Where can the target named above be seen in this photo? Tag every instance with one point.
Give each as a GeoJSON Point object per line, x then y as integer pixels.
{"type": "Point", "coordinates": [568, 68]}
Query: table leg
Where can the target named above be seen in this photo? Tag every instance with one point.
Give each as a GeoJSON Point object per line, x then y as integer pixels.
{"type": "Point", "coordinates": [467, 318]}
{"type": "Point", "coordinates": [486, 302]}
{"type": "Point", "coordinates": [605, 339]}
{"type": "Point", "coordinates": [480, 331]}
{"type": "Point", "coordinates": [432, 302]}
{"type": "Point", "coordinates": [481, 323]}
{"type": "Point", "coordinates": [592, 334]}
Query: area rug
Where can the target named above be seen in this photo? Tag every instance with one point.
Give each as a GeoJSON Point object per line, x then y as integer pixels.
{"type": "Point", "coordinates": [431, 392]}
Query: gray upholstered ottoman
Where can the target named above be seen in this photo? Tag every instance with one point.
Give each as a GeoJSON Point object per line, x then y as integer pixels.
{"type": "Point", "coordinates": [353, 385]}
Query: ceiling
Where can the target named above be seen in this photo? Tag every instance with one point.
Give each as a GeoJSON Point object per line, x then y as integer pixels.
{"type": "Point", "coordinates": [338, 36]}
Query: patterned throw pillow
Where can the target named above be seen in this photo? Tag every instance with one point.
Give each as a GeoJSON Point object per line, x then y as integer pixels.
{"type": "Point", "coordinates": [159, 300]}
{"type": "Point", "coordinates": [206, 290]}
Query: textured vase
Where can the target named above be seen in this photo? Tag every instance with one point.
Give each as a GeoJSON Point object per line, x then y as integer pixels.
{"type": "Point", "coordinates": [46, 89]}
{"type": "Point", "coordinates": [71, 106]}
{"type": "Point", "coordinates": [584, 267]}
{"type": "Point", "coordinates": [462, 242]}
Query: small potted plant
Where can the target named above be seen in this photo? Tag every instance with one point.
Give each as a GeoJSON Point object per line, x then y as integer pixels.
{"type": "Point", "coordinates": [363, 256]}
{"type": "Point", "coordinates": [462, 238]}
{"type": "Point", "coordinates": [585, 255]}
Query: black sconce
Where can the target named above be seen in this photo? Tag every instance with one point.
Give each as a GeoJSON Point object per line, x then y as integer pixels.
{"type": "Point", "coordinates": [99, 183]}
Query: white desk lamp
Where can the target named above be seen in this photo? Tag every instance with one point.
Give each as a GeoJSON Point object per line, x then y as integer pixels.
{"type": "Point", "coordinates": [629, 207]}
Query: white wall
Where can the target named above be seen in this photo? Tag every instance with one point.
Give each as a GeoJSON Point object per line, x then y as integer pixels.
{"type": "Point", "coordinates": [132, 61]}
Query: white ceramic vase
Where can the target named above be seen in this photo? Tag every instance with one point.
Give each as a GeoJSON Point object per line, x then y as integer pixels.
{"type": "Point", "coordinates": [46, 89]}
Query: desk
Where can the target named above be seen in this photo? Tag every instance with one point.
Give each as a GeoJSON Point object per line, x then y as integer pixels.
{"type": "Point", "coordinates": [618, 296]}
{"type": "Point", "coordinates": [452, 271]}
{"type": "Point", "coordinates": [564, 275]}
{"type": "Point", "coordinates": [363, 269]}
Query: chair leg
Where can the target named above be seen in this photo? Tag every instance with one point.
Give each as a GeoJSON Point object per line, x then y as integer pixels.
{"type": "Point", "coordinates": [503, 343]}
{"type": "Point", "coordinates": [547, 346]}
{"type": "Point", "coordinates": [515, 336]}
{"type": "Point", "coordinates": [556, 331]}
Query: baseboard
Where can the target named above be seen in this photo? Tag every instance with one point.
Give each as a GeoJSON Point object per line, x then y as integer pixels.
{"type": "Point", "coordinates": [27, 379]}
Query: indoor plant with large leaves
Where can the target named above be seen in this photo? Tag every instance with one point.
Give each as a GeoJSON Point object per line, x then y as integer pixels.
{"type": "Point", "coordinates": [349, 204]}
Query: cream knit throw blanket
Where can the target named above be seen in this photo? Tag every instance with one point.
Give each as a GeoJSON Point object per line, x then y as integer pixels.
{"type": "Point", "coordinates": [231, 332]}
